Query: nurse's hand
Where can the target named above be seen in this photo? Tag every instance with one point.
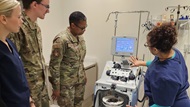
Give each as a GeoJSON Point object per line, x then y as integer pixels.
{"type": "Point", "coordinates": [135, 62]}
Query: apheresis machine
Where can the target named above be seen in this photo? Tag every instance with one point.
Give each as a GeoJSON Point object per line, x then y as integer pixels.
{"type": "Point", "coordinates": [119, 82]}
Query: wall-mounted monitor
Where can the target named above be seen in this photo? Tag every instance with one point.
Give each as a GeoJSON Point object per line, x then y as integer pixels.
{"type": "Point", "coordinates": [124, 46]}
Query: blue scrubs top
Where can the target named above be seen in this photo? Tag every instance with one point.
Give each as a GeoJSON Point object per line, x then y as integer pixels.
{"type": "Point", "coordinates": [14, 89]}
{"type": "Point", "coordinates": [166, 82]}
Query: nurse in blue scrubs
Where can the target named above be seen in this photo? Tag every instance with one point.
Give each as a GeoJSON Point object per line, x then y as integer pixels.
{"type": "Point", "coordinates": [14, 91]}
{"type": "Point", "coordinates": [166, 79]}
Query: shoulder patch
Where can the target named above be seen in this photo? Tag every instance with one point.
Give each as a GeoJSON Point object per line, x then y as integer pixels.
{"type": "Point", "coordinates": [56, 53]}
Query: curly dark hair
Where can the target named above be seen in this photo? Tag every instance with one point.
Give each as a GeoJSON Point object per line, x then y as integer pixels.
{"type": "Point", "coordinates": [163, 37]}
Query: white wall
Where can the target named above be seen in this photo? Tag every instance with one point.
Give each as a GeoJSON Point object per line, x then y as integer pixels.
{"type": "Point", "coordinates": [99, 32]}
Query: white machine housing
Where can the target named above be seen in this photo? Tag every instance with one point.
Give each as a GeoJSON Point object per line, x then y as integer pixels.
{"type": "Point", "coordinates": [125, 79]}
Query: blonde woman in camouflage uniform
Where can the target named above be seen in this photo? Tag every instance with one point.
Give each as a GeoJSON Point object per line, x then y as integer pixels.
{"type": "Point", "coordinates": [29, 44]}
{"type": "Point", "coordinates": [66, 63]}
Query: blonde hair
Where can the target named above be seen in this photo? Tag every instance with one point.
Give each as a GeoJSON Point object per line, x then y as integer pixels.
{"type": "Point", "coordinates": [7, 6]}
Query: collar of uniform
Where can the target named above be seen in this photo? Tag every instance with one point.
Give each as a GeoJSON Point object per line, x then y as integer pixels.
{"type": "Point", "coordinates": [26, 19]}
{"type": "Point", "coordinates": [71, 36]}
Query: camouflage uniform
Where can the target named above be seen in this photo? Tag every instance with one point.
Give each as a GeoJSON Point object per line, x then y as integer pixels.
{"type": "Point", "coordinates": [29, 45]}
{"type": "Point", "coordinates": [67, 69]}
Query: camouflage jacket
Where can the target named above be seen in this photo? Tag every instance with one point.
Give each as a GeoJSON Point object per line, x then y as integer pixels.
{"type": "Point", "coordinates": [28, 42]}
{"type": "Point", "coordinates": [67, 57]}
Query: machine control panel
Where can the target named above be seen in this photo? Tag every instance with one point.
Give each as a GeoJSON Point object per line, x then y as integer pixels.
{"type": "Point", "coordinates": [117, 73]}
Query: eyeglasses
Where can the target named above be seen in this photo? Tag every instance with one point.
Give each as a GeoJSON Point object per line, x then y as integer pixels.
{"type": "Point", "coordinates": [146, 45]}
{"type": "Point", "coordinates": [46, 6]}
{"type": "Point", "coordinates": [82, 28]}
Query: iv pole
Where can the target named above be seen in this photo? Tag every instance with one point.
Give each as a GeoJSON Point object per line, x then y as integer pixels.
{"type": "Point", "coordinates": [173, 8]}
{"type": "Point", "coordinates": [115, 26]}
{"type": "Point", "coordinates": [116, 19]}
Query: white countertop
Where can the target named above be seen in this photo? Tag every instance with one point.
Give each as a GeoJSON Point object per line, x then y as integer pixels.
{"type": "Point", "coordinates": [89, 64]}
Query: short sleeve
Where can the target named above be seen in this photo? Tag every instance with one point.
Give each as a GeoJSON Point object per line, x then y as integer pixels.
{"type": "Point", "coordinates": [148, 63]}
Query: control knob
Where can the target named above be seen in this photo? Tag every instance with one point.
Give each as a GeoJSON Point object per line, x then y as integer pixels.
{"type": "Point", "coordinates": [114, 77]}
{"type": "Point", "coordinates": [117, 65]}
{"type": "Point", "coordinates": [131, 76]}
{"type": "Point", "coordinates": [108, 72]}
{"type": "Point", "coordinates": [123, 78]}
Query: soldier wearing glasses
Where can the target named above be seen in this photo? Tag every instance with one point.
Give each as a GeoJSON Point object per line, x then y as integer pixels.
{"type": "Point", "coordinates": [29, 45]}
{"type": "Point", "coordinates": [66, 63]}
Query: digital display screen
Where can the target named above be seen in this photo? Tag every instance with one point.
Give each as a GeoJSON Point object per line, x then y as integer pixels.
{"type": "Point", "coordinates": [125, 45]}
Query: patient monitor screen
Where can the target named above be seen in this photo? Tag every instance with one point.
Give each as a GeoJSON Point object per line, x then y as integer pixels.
{"type": "Point", "coordinates": [124, 46]}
